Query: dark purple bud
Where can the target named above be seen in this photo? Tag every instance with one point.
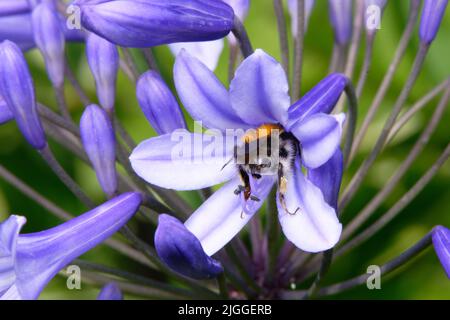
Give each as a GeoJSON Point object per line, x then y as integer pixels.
{"type": "Point", "coordinates": [99, 142]}
{"type": "Point", "coordinates": [49, 37]}
{"type": "Point", "coordinates": [16, 87]}
{"type": "Point", "coordinates": [5, 114]}
{"type": "Point", "coordinates": [110, 291]}
{"type": "Point", "coordinates": [441, 243]}
{"type": "Point", "coordinates": [432, 14]}
{"type": "Point", "coordinates": [320, 99]}
{"type": "Point", "coordinates": [158, 103]}
{"type": "Point", "coordinates": [341, 20]}
{"type": "Point", "coordinates": [103, 59]}
{"type": "Point", "coordinates": [152, 22]}
{"type": "Point", "coordinates": [11, 7]}
{"type": "Point", "coordinates": [181, 251]}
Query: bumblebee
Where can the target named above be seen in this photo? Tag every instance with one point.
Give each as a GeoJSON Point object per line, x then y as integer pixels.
{"type": "Point", "coordinates": [268, 150]}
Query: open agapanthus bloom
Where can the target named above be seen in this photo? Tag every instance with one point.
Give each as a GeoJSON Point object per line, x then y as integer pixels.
{"type": "Point", "coordinates": [308, 173]}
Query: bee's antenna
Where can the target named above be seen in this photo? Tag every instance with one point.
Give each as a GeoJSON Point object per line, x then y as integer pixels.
{"type": "Point", "coordinates": [284, 206]}
{"type": "Point", "coordinates": [228, 162]}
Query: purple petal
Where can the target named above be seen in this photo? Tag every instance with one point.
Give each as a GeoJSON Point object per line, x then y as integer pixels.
{"type": "Point", "coordinates": [40, 256]}
{"type": "Point", "coordinates": [152, 22]}
{"type": "Point", "coordinates": [103, 59]}
{"type": "Point", "coordinates": [259, 90]}
{"type": "Point", "coordinates": [315, 227]}
{"type": "Point", "coordinates": [158, 103]}
{"type": "Point", "coordinates": [292, 5]}
{"type": "Point", "coordinates": [9, 233]}
{"type": "Point", "coordinates": [320, 99]}
{"type": "Point", "coordinates": [110, 291]}
{"type": "Point", "coordinates": [49, 38]}
{"type": "Point", "coordinates": [328, 178]}
{"type": "Point", "coordinates": [11, 7]}
{"type": "Point", "coordinates": [341, 20]}
{"type": "Point", "coordinates": [441, 243]}
{"type": "Point", "coordinates": [99, 142]}
{"type": "Point", "coordinates": [184, 160]}
{"type": "Point", "coordinates": [240, 7]}
{"type": "Point", "coordinates": [432, 13]}
{"type": "Point", "coordinates": [5, 114]}
{"type": "Point", "coordinates": [221, 217]}
{"type": "Point", "coordinates": [180, 250]}
{"type": "Point", "coordinates": [319, 136]}
{"type": "Point", "coordinates": [17, 89]}
{"type": "Point", "coordinates": [203, 95]}
{"type": "Point", "coordinates": [207, 52]}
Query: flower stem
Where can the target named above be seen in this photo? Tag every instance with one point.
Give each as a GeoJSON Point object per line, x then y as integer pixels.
{"type": "Point", "coordinates": [298, 51]}
{"type": "Point", "coordinates": [363, 170]}
{"type": "Point", "coordinates": [282, 33]}
{"type": "Point", "coordinates": [241, 34]}
{"type": "Point", "coordinates": [366, 64]}
{"type": "Point", "coordinates": [222, 283]}
{"type": "Point", "coordinates": [352, 120]}
{"type": "Point", "coordinates": [382, 90]}
{"type": "Point", "coordinates": [48, 156]}
{"type": "Point", "coordinates": [359, 280]}
{"type": "Point", "coordinates": [418, 147]}
{"type": "Point", "coordinates": [61, 100]}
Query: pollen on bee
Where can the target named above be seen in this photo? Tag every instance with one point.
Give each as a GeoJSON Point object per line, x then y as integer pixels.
{"type": "Point", "coordinates": [263, 131]}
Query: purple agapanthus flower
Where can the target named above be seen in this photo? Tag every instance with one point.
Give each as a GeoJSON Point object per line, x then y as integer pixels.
{"type": "Point", "coordinates": [441, 243]}
{"type": "Point", "coordinates": [258, 96]}
{"type": "Point", "coordinates": [5, 114]}
{"type": "Point", "coordinates": [29, 261]}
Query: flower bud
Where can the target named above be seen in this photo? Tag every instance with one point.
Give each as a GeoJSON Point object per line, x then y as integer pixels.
{"type": "Point", "coordinates": [97, 136]}
{"type": "Point", "coordinates": [16, 87]}
{"type": "Point", "coordinates": [110, 291]}
{"type": "Point", "coordinates": [441, 244]}
{"type": "Point", "coordinates": [158, 103]}
{"type": "Point", "coordinates": [49, 37]}
{"type": "Point", "coordinates": [432, 14]}
{"type": "Point", "coordinates": [152, 22]}
{"type": "Point", "coordinates": [341, 20]}
{"type": "Point", "coordinates": [103, 59]}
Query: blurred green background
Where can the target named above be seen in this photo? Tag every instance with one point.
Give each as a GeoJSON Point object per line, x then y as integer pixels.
{"type": "Point", "coordinates": [423, 278]}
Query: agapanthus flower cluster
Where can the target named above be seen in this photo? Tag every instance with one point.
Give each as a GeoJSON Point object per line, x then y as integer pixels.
{"type": "Point", "coordinates": [273, 163]}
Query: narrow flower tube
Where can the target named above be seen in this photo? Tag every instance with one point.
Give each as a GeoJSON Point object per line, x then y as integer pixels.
{"type": "Point", "coordinates": [103, 59]}
{"type": "Point", "coordinates": [5, 114]}
{"type": "Point", "coordinates": [159, 104]}
{"type": "Point", "coordinates": [441, 244]}
{"type": "Point", "coordinates": [147, 23]}
{"type": "Point", "coordinates": [49, 37]}
{"type": "Point", "coordinates": [10, 7]}
{"type": "Point", "coordinates": [16, 86]}
{"type": "Point", "coordinates": [30, 261]}
{"type": "Point", "coordinates": [320, 99]}
{"type": "Point", "coordinates": [341, 20]}
{"type": "Point", "coordinates": [99, 142]}
{"type": "Point", "coordinates": [432, 14]}
{"type": "Point", "coordinates": [180, 250]}
{"type": "Point", "coordinates": [110, 291]}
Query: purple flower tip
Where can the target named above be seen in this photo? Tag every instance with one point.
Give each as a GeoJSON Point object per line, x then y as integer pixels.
{"type": "Point", "coordinates": [28, 262]}
{"type": "Point", "coordinates": [17, 89]}
{"type": "Point", "coordinates": [49, 37]}
{"type": "Point", "coordinates": [159, 104]}
{"type": "Point", "coordinates": [110, 291]}
{"type": "Point", "coordinates": [432, 14]}
{"type": "Point", "coordinates": [181, 251]}
{"type": "Point", "coordinates": [138, 23]}
{"type": "Point", "coordinates": [103, 59]}
{"type": "Point", "coordinates": [321, 98]}
{"type": "Point", "coordinates": [99, 142]}
{"type": "Point", "coordinates": [441, 243]}
{"type": "Point", "coordinates": [341, 20]}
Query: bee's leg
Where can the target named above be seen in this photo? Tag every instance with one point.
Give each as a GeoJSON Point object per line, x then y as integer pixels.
{"type": "Point", "coordinates": [282, 188]}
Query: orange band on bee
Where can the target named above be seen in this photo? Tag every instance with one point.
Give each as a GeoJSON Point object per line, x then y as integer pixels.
{"type": "Point", "coordinates": [263, 131]}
